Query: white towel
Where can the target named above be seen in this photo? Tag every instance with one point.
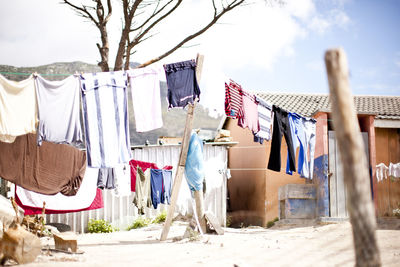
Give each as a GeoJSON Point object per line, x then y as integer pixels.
{"type": "Point", "coordinates": [105, 116]}
{"type": "Point", "coordinates": [122, 176]}
{"type": "Point", "coordinates": [82, 199]}
{"type": "Point", "coordinates": [18, 111]}
{"type": "Point", "coordinates": [145, 89]}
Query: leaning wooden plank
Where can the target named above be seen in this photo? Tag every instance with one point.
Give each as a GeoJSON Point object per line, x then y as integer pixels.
{"type": "Point", "coordinates": [179, 173]}
{"type": "Point", "coordinates": [182, 158]}
{"type": "Point", "coordinates": [214, 223]}
{"type": "Point", "coordinates": [355, 167]}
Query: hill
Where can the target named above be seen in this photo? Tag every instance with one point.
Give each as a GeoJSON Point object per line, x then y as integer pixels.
{"type": "Point", "coordinates": [174, 120]}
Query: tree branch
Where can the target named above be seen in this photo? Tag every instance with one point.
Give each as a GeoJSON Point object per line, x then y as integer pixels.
{"type": "Point", "coordinates": [82, 11]}
{"type": "Point", "coordinates": [141, 35]}
{"type": "Point", "coordinates": [155, 13]}
{"type": "Point", "coordinates": [216, 17]}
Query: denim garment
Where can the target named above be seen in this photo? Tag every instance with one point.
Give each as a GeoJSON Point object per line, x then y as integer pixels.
{"type": "Point", "coordinates": [303, 135]}
{"type": "Point", "coordinates": [156, 184]}
{"type": "Point", "coordinates": [167, 186]}
{"type": "Point", "coordinates": [182, 83]}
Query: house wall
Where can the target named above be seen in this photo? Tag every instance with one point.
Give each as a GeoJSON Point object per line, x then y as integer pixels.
{"type": "Point", "coordinates": [253, 189]}
{"type": "Point", "coordinates": [387, 151]}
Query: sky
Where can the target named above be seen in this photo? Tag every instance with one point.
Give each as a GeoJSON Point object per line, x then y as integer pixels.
{"type": "Point", "coordinates": [263, 46]}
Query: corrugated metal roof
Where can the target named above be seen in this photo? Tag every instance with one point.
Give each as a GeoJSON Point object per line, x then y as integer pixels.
{"type": "Point", "coordinates": [385, 107]}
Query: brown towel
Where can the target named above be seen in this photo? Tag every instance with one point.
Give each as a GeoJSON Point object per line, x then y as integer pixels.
{"type": "Point", "coordinates": [46, 169]}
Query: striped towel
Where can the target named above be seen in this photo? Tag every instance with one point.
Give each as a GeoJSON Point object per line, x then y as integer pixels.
{"type": "Point", "coordinates": [105, 115]}
{"type": "Point", "coordinates": [264, 121]}
{"type": "Point", "coordinates": [233, 100]}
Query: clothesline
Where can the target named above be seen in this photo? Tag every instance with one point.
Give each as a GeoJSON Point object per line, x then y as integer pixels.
{"type": "Point", "coordinates": [28, 74]}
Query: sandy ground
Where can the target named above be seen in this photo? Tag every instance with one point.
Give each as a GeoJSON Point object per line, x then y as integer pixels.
{"type": "Point", "coordinates": [318, 245]}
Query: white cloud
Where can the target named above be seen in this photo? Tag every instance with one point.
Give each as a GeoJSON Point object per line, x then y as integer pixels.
{"type": "Point", "coordinates": [301, 9]}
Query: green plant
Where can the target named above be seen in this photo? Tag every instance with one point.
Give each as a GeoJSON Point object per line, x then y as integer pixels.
{"type": "Point", "coordinates": [161, 217]}
{"type": "Point", "coordinates": [272, 223]}
{"type": "Point", "coordinates": [228, 221]}
{"type": "Point", "coordinates": [100, 226]}
{"type": "Point", "coordinates": [139, 223]}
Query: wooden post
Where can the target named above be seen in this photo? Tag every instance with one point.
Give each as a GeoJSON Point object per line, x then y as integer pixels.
{"type": "Point", "coordinates": [355, 167]}
{"type": "Point", "coordinates": [182, 157]}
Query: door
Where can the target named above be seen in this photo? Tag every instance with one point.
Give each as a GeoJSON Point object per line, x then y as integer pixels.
{"type": "Point", "coordinates": [337, 188]}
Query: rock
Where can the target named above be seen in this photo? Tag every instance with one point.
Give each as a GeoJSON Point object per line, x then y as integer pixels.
{"type": "Point", "coordinates": [19, 245]}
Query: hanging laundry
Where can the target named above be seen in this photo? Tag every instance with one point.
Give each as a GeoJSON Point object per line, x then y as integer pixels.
{"type": "Point", "coordinates": [145, 91]}
{"type": "Point", "coordinates": [233, 100]}
{"type": "Point", "coordinates": [394, 170]}
{"type": "Point", "coordinates": [96, 204]}
{"type": "Point", "coordinates": [83, 198]}
{"type": "Point", "coordinates": [156, 186]}
{"type": "Point", "coordinates": [134, 164]}
{"type": "Point", "coordinates": [281, 127]}
{"type": "Point", "coordinates": [18, 111]}
{"type": "Point", "coordinates": [249, 116]}
{"type": "Point", "coordinates": [105, 115]}
{"type": "Point", "coordinates": [194, 168]}
{"type": "Point", "coordinates": [182, 83]}
{"type": "Point", "coordinates": [58, 109]}
{"type": "Point", "coordinates": [381, 172]}
{"type": "Point", "coordinates": [303, 135]}
{"type": "Point", "coordinates": [142, 198]}
{"type": "Point", "coordinates": [46, 169]}
{"type": "Point", "coordinates": [264, 121]}
{"type": "Point", "coordinates": [106, 179]}
{"type": "Point", "coordinates": [122, 180]}
{"type": "Point", "coordinates": [167, 184]}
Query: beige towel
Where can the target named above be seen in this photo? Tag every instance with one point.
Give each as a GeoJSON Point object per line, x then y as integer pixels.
{"type": "Point", "coordinates": [18, 111]}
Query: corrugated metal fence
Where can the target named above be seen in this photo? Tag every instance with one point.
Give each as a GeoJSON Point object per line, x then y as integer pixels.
{"type": "Point", "coordinates": [120, 211]}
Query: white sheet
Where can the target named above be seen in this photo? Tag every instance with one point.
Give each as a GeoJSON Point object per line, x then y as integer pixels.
{"type": "Point", "coordinates": [82, 199]}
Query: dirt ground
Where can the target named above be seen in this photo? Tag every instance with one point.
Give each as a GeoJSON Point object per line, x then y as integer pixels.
{"type": "Point", "coordinates": [317, 245]}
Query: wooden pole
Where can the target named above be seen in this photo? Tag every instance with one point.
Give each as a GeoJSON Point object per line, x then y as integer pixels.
{"type": "Point", "coordinates": [355, 167]}
{"type": "Point", "coordinates": [182, 157]}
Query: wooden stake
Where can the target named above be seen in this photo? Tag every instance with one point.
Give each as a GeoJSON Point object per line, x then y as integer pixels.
{"type": "Point", "coordinates": [355, 167]}
{"type": "Point", "coordinates": [182, 157]}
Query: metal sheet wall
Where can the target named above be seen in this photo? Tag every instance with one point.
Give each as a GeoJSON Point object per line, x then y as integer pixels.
{"type": "Point", "coordinates": [120, 211]}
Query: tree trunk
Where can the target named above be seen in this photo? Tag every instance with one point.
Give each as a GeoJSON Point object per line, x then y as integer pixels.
{"type": "Point", "coordinates": [355, 167]}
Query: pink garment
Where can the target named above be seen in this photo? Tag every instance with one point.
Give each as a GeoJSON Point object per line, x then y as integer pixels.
{"type": "Point", "coordinates": [96, 204]}
{"type": "Point", "coordinates": [144, 166]}
{"type": "Point", "coordinates": [146, 100]}
{"type": "Point", "coordinates": [250, 113]}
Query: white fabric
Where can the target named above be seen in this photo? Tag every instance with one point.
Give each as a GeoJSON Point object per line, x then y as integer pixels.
{"type": "Point", "coordinates": [58, 108]}
{"type": "Point", "coordinates": [394, 170]}
{"type": "Point", "coordinates": [381, 172]}
{"type": "Point", "coordinates": [145, 91]}
{"type": "Point", "coordinates": [122, 179]}
{"type": "Point", "coordinates": [60, 202]}
{"type": "Point", "coordinates": [18, 111]}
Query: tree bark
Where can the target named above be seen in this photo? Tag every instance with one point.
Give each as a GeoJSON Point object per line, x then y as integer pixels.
{"type": "Point", "coordinates": [355, 167]}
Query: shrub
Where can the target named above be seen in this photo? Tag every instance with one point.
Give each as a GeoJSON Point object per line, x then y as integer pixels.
{"type": "Point", "coordinates": [139, 223]}
{"type": "Point", "coordinates": [161, 217]}
{"type": "Point", "coordinates": [100, 226]}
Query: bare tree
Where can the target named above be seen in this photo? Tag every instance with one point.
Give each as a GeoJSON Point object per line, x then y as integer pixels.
{"type": "Point", "coordinates": [140, 18]}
